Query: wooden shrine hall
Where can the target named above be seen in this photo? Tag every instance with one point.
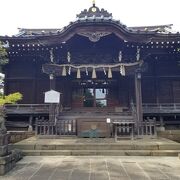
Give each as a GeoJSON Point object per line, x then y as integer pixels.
{"type": "Point", "coordinates": [114, 80]}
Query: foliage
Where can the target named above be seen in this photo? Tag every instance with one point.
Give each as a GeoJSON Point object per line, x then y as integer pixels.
{"type": "Point", "coordinates": [3, 55]}
{"type": "Point", "coordinates": [10, 99]}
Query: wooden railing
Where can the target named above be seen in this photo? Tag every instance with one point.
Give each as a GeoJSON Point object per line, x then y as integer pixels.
{"type": "Point", "coordinates": [27, 108]}
{"type": "Point", "coordinates": [161, 108]}
{"type": "Point", "coordinates": [124, 129]}
{"type": "Point", "coordinates": [59, 127]}
{"type": "Point", "coordinates": [147, 128]}
{"type": "Point", "coordinates": [44, 108]}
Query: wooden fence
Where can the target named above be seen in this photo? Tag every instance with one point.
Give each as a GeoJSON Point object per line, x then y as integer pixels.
{"type": "Point", "coordinates": [147, 128]}
{"type": "Point", "coordinates": [124, 129]}
{"type": "Point", "coordinates": [60, 127]}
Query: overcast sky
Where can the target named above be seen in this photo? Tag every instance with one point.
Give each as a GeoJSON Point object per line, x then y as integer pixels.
{"type": "Point", "coordinates": [58, 13]}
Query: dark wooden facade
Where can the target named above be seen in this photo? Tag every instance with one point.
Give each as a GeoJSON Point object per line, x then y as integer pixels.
{"type": "Point", "coordinates": [40, 59]}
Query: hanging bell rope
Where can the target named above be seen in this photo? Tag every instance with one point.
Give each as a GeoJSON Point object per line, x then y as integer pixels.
{"type": "Point", "coordinates": [99, 66]}
{"type": "Point", "coordinates": [104, 67]}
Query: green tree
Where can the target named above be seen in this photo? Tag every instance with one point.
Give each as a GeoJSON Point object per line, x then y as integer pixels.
{"type": "Point", "coordinates": [3, 61]}
{"type": "Point", "coordinates": [10, 99]}
{"type": "Point", "coordinates": [3, 56]}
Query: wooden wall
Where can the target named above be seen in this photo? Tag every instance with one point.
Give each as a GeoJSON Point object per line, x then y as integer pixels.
{"type": "Point", "coordinates": [25, 76]}
{"type": "Point", "coordinates": [160, 83]}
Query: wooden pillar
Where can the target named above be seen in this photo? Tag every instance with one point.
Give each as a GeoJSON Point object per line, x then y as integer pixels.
{"type": "Point", "coordinates": [30, 128]}
{"type": "Point", "coordinates": [52, 106]}
{"type": "Point", "coordinates": [156, 81]}
{"type": "Point", "coordinates": [138, 94]}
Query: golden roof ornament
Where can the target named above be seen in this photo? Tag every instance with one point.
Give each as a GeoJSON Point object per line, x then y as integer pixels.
{"type": "Point", "coordinates": [93, 13]}
{"type": "Point", "coordinates": [94, 6]}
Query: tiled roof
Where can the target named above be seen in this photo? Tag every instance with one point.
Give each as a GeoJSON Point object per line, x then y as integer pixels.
{"type": "Point", "coordinates": [95, 16]}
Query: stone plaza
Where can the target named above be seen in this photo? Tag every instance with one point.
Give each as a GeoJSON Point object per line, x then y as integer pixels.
{"type": "Point", "coordinates": [95, 168]}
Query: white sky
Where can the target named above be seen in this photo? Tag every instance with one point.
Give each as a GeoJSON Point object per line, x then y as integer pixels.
{"type": "Point", "coordinates": [58, 13]}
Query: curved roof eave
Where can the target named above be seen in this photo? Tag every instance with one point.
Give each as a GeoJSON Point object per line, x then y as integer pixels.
{"type": "Point", "coordinates": [95, 25]}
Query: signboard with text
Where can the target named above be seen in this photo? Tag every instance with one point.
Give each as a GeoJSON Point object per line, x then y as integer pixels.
{"type": "Point", "coordinates": [52, 97]}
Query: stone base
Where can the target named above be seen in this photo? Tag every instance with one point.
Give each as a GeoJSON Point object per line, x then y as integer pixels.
{"type": "Point", "coordinates": [8, 158]}
{"type": "Point", "coordinates": [160, 128]}
{"type": "Point", "coordinates": [16, 136]}
{"type": "Point", "coordinates": [17, 154]}
{"type": "Point", "coordinates": [4, 150]}
{"type": "Point", "coordinates": [8, 162]}
{"type": "Point", "coordinates": [170, 134]}
{"type": "Point", "coordinates": [30, 128]}
{"type": "Point", "coordinates": [6, 168]}
{"type": "Point", "coordinates": [4, 139]}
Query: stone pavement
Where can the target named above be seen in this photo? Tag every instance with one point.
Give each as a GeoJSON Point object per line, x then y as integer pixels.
{"type": "Point", "coordinates": [95, 168]}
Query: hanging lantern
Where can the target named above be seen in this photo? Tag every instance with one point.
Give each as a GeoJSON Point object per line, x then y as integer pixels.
{"type": "Point", "coordinates": [69, 71]}
{"type": "Point", "coordinates": [94, 74]}
{"type": "Point", "coordinates": [78, 74]}
{"type": "Point", "coordinates": [64, 71]}
{"type": "Point", "coordinates": [109, 73]}
{"type": "Point", "coordinates": [68, 57]}
{"type": "Point", "coordinates": [122, 70]}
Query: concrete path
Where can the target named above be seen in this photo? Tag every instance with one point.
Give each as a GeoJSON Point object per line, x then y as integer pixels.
{"type": "Point", "coordinates": [95, 168]}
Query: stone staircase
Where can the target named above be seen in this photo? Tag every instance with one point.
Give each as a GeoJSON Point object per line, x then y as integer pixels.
{"type": "Point", "coordinates": [97, 147]}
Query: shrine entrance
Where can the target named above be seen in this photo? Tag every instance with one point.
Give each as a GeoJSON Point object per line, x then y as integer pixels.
{"type": "Point", "coordinates": [95, 97]}
{"type": "Point", "coordinates": [95, 94]}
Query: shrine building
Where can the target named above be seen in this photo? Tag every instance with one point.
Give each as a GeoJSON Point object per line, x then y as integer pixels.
{"type": "Point", "coordinates": [107, 74]}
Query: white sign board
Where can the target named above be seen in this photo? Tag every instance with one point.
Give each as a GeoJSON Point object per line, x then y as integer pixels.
{"type": "Point", "coordinates": [52, 97]}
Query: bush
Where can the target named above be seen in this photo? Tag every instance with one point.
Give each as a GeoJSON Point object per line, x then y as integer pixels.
{"type": "Point", "coordinates": [10, 99]}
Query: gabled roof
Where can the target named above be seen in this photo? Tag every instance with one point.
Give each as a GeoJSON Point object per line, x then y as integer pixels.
{"type": "Point", "coordinates": [164, 29]}
{"type": "Point", "coordinates": [159, 28]}
{"type": "Point", "coordinates": [95, 14]}
{"type": "Point", "coordinates": [100, 20]}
